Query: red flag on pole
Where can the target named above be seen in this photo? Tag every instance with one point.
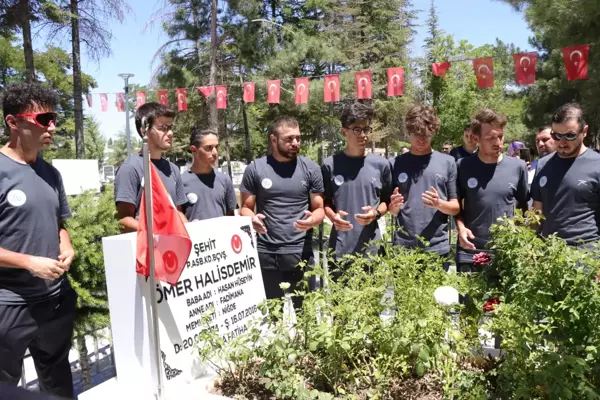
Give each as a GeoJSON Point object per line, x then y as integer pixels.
{"type": "Point", "coordinates": [163, 97]}
{"type": "Point", "coordinates": [182, 99]}
{"type": "Point", "coordinates": [576, 61]}
{"type": "Point", "coordinates": [89, 99]}
{"type": "Point", "coordinates": [104, 102]}
{"type": "Point", "coordinates": [440, 69]}
{"type": "Point", "coordinates": [172, 244]}
{"type": "Point", "coordinates": [395, 81]}
{"type": "Point", "coordinates": [273, 89]}
{"type": "Point", "coordinates": [484, 71]}
{"type": "Point", "coordinates": [205, 90]}
{"type": "Point", "coordinates": [248, 92]}
{"type": "Point", "coordinates": [140, 99]}
{"type": "Point", "coordinates": [331, 88]}
{"type": "Point", "coordinates": [301, 90]}
{"type": "Point", "coordinates": [525, 68]}
{"type": "Point", "coordinates": [363, 84]}
{"type": "Point", "coordinates": [221, 97]}
{"type": "Point", "coordinates": [120, 102]}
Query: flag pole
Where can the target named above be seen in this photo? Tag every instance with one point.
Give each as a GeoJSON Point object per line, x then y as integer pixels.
{"type": "Point", "coordinates": [155, 352]}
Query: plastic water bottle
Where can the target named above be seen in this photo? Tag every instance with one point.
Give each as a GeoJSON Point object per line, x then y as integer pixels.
{"type": "Point", "coordinates": [387, 301]}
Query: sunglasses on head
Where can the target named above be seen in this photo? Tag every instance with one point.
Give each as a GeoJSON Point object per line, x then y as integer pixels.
{"type": "Point", "coordinates": [567, 136]}
{"type": "Point", "coordinates": [42, 120]}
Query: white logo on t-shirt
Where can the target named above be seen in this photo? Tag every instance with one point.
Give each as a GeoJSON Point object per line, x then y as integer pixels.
{"type": "Point", "coordinates": [266, 183]}
{"type": "Point", "coordinates": [192, 198]}
{"type": "Point", "coordinates": [512, 186]}
{"type": "Point", "coordinates": [403, 177]}
{"type": "Point", "coordinates": [339, 180]}
{"type": "Point", "coordinates": [543, 181]}
{"type": "Point", "coordinates": [16, 198]}
{"type": "Point", "coordinates": [472, 183]}
{"type": "Point", "coordinates": [581, 182]}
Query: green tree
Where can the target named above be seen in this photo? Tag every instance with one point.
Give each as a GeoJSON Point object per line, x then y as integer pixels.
{"type": "Point", "coordinates": [119, 148]}
{"type": "Point", "coordinates": [95, 144]}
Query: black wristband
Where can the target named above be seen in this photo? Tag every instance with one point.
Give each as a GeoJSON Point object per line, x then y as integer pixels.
{"type": "Point", "coordinates": [378, 214]}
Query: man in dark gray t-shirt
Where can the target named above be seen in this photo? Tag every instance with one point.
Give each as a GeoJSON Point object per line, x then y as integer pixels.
{"type": "Point", "coordinates": [469, 146]}
{"type": "Point", "coordinates": [156, 121]}
{"type": "Point", "coordinates": [566, 186]}
{"type": "Point", "coordinates": [37, 304]}
{"type": "Point", "coordinates": [425, 192]}
{"type": "Point", "coordinates": [357, 186]}
{"type": "Point", "coordinates": [209, 192]}
{"type": "Point", "coordinates": [286, 192]}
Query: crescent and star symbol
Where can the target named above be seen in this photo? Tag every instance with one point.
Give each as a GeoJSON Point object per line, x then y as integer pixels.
{"type": "Point", "coordinates": [180, 97]}
{"type": "Point", "coordinates": [330, 84]}
{"type": "Point", "coordinates": [364, 85]}
{"type": "Point", "coordinates": [528, 62]}
{"type": "Point", "coordinates": [301, 88]}
{"type": "Point", "coordinates": [395, 79]}
{"type": "Point", "coordinates": [272, 88]}
{"type": "Point", "coordinates": [573, 53]}
{"type": "Point", "coordinates": [248, 87]}
{"type": "Point", "coordinates": [220, 94]}
{"type": "Point", "coordinates": [483, 74]}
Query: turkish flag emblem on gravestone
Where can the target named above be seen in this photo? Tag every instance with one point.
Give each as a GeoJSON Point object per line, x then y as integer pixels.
{"type": "Point", "coordinates": [273, 89]}
{"type": "Point", "coordinates": [236, 244]}
{"type": "Point", "coordinates": [484, 71]}
{"type": "Point", "coordinates": [525, 64]}
{"type": "Point", "coordinates": [331, 88]}
{"type": "Point", "coordinates": [363, 84]}
{"type": "Point", "coordinates": [249, 92]}
{"type": "Point", "coordinates": [301, 90]}
{"type": "Point", "coordinates": [576, 61]}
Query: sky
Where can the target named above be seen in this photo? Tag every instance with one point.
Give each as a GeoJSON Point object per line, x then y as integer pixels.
{"type": "Point", "coordinates": [133, 46]}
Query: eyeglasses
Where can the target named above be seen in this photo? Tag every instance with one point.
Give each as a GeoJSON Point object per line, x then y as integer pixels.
{"type": "Point", "coordinates": [357, 131]}
{"type": "Point", "coordinates": [567, 136]}
{"type": "Point", "coordinates": [42, 120]}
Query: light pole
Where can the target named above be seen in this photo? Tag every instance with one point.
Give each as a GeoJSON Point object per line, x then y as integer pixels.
{"type": "Point", "coordinates": [126, 77]}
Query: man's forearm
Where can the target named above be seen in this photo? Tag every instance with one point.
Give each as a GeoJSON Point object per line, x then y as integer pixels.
{"type": "Point", "coordinates": [459, 222]}
{"type": "Point", "coordinates": [128, 224]}
{"type": "Point", "coordinates": [12, 259]}
{"type": "Point", "coordinates": [449, 207]}
{"type": "Point", "coordinates": [318, 215]}
{"type": "Point", "coordinates": [65, 240]}
{"type": "Point", "coordinates": [246, 212]}
{"type": "Point", "coordinates": [183, 217]}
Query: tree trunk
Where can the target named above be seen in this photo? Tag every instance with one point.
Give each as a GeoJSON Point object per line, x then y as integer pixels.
{"type": "Point", "coordinates": [27, 41]}
{"type": "Point", "coordinates": [212, 100]}
{"type": "Point", "coordinates": [77, 86]}
{"type": "Point", "coordinates": [84, 361]}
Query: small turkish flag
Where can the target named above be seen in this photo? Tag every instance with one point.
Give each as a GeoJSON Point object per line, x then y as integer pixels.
{"type": "Point", "coordinates": [525, 68]}
{"type": "Point", "coordinates": [331, 88]}
{"type": "Point", "coordinates": [104, 102]}
{"type": "Point", "coordinates": [249, 92]}
{"type": "Point", "coordinates": [205, 91]}
{"type": "Point", "coordinates": [301, 90]}
{"type": "Point", "coordinates": [484, 71]}
{"type": "Point", "coordinates": [440, 69]}
{"type": "Point", "coordinates": [163, 97]}
{"type": "Point", "coordinates": [89, 99]}
{"type": "Point", "coordinates": [273, 89]}
{"type": "Point", "coordinates": [576, 61]}
{"type": "Point", "coordinates": [140, 99]}
{"type": "Point", "coordinates": [395, 81]}
{"type": "Point", "coordinates": [120, 102]}
{"type": "Point", "coordinates": [221, 97]}
{"type": "Point", "coordinates": [172, 243]}
{"type": "Point", "coordinates": [363, 84]}
{"type": "Point", "coordinates": [182, 99]}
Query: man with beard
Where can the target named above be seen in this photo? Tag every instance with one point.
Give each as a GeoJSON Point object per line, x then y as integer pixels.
{"type": "Point", "coordinates": [426, 186]}
{"type": "Point", "coordinates": [544, 144]}
{"type": "Point", "coordinates": [357, 186]}
{"type": "Point", "coordinates": [155, 121]}
{"type": "Point", "coordinates": [210, 193]}
{"type": "Point", "coordinates": [283, 194]}
{"type": "Point", "coordinates": [469, 145]}
{"type": "Point", "coordinates": [566, 183]}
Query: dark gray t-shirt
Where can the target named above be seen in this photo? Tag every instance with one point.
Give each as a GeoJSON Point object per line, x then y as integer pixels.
{"type": "Point", "coordinates": [569, 189]}
{"type": "Point", "coordinates": [32, 205]}
{"type": "Point", "coordinates": [129, 181]}
{"type": "Point", "coordinates": [460, 152]}
{"type": "Point", "coordinates": [350, 184]}
{"type": "Point", "coordinates": [209, 195]}
{"type": "Point", "coordinates": [414, 175]}
{"type": "Point", "coordinates": [282, 193]}
{"type": "Point", "coordinates": [488, 192]}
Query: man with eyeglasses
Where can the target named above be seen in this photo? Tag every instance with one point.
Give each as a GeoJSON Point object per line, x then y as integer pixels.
{"type": "Point", "coordinates": [37, 303]}
{"type": "Point", "coordinates": [357, 186]}
{"type": "Point", "coordinates": [155, 121]}
{"type": "Point", "coordinates": [425, 192]}
{"type": "Point", "coordinates": [566, 183]}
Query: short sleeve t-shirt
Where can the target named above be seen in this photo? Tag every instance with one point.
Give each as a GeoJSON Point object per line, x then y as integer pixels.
{"type": "Point", "coordinates": [460, 152]}
{"type": "Point", "coordinates": [350, 184]}
{"type": "Point", "coordinates": [209, 195]}
{"type": "Point", "coordinates": [129, 181]}
{"type": "Point", "coordinates": [414, 175]}
{"type": "Point", "coordinates": [569, 190]}
{"type": "Point", "coordinates": [282, 191]}
{"type": "Point", "coordinates": [33, 204]}
{"type": "Point", "coordinates": [488, 192]}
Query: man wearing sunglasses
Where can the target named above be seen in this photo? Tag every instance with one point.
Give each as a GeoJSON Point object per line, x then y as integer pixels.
{"type": "Point", "coordinates": [566, 183]}
{"type": "Point", "coordinates": [37, 304]}
{"type": "Point", "coordinates": [357, 186]}
{"type": "Point", "coordinates": [155, 121]}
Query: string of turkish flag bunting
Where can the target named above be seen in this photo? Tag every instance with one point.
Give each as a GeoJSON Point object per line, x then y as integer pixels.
{"type": "Point", "coordinates": [575, 59]}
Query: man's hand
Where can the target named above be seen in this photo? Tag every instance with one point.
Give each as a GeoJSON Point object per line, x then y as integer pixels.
{"type": "Point", "coordinates": [396, 202]}
{"type": "Point", "coordinates": [66, 258]}
{"type": "Point", "coordinates": [464, 235]}
{"type": "Point", "coordinates": [305, 224]}
{"type": "Point", "coordinates": [45, 268]}
{"type": "Point", "coordinates": [340, 224]}
{"type": "Point", "coordinates": [258, 225]}
{"type": "Point", "coordinates": [431, 198]}
{"type": "Point", "coordinates": [368, 217]}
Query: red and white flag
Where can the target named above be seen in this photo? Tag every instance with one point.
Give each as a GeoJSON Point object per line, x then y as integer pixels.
{"type": "Point", "coordinates": [484, 71]}
{"type": "Point", "coordinates": [221, 97]}
{"type": "Point", "coordinates": [395, 81]}
{"type": "Point", "coordinates": [576, 61]}
{"type": "Point", "coordinates": [363, 84]}
{"type": "Point", "coordinates": [182, 99]}
{"type": "Point", "coordinates": [88, 97]}
{"type": "Point", "coordinates": [120, 102]}
{"type": "Point", "coordinates": [440, 69]}
{"type": "Point", "coordinates": [331, 88]}
{"type": "Point", "coordinates": [249, 92]}
{"type": "Point", "coordinates": [273, 89]}
{"type": "Point", "coordinates": [104, 102]}
{"type": "Point", "coordinates": [163, 97]}
{"type": "Point", "coordinates": [525, 68]}
{"type": "Point", "coordinates": [140, 99]}
{"type": "Point", "coordinates": [301, 90]}
{"type": "Point", "coordinates": [205, 91]}
{"type": "Point", "coordinates": [172, 243]}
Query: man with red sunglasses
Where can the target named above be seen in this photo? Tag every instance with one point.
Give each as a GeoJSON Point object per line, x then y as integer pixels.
{"type": "Point", "coordinates": [37, 304]}
{"type": "Point", "coordinates": [566, 183]}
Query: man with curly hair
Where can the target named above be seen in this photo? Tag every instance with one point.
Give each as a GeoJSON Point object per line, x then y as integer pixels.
{"type": "Point", "coordinates": [425, 182]}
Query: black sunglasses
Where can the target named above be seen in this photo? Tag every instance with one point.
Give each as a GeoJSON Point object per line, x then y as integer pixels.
{"type": "Point", "coordinates": [43, 120]}
{"type": "Point", "coordinates": [567, 136]}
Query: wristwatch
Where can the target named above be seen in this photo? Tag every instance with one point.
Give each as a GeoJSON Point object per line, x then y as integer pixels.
{"type": "Point", "coordinates": [378, 214]}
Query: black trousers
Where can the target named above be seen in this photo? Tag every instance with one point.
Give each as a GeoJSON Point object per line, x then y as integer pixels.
{"type": "Point", "coordinates": [278, 268]}
{"type": "Point", "coordinates": [46, 328]}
